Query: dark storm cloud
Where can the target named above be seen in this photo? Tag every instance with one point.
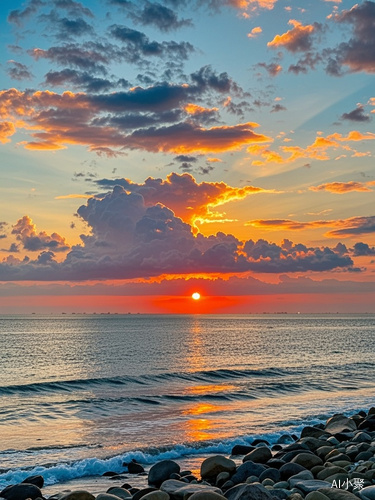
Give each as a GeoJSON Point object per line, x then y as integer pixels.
{"type": "Point", "coordinates": [356, 225]}
{"type": "Point", "coordinates": [135, 121]}
{"type": "Point", "coordinates": [25, 232]}
{"type": "Point", "coordinates": [289, 257]}
{"type": "Point", "coordinates": [362, 249]}
{"type": "Point", "coordinates": [160, 16]}
{"type": "Point", "coordinates": [91, 56]}
{"type": "Point", "coordinates": [160, 97]}
{"type": "Point", "coordinates": [357, 115]}
{"type": "Point", "coordinates": [19, 71]}
{"type": "Point", "coordinates": [129, 239]}
{"type": "Point", "coordinates": [83, 80]}
{"type": "Point", "coordinates": [207, 78]}
{"type": "Point", "coordinates": [138, 45]}
{"type": "Point", "coordinates": [65, 28]}
{"type": "Point", "coordinates": [82, 119]}
{"type": "Point", "coordinates": [358, 53]}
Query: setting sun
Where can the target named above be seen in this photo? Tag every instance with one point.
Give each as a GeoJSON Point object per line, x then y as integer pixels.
{"type": "Point", "coordinates": [196, 296]}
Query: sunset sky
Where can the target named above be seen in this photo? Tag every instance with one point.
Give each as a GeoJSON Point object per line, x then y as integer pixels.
{"type": "Point", "coordinates": [151, 149]}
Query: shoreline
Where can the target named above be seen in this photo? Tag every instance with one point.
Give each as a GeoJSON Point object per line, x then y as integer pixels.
{"type": "Point", "coordinates": [324, 462]}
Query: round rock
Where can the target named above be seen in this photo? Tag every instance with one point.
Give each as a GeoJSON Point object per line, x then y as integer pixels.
{"type": "Point", "coordinates": [22, 491]}
{"type": "Point", "coordinates": [170, 486]}
{"type": "Point", "coordinates": [270, 473]}
{"type": "Point", "coordinates": [311, 485]}
{"type": "Point", "coordinates": [246, 470]}
{"type": "Point", "coordinates": [161, 471]}
{"type": "Point", "coordinates": [340, 423]}
{"type": "Point", "coordinates": [260, 455]}
{"type": "Point", "coordinates": [36, 480]}
{"type": "Point", "coordinates": [212, 466]}
{"type": "Point", "coordinates": [119, 492]}
{"type": "Point", "coordinates": [289, 470]}
{"type": "Point", "coordinates": [307, 460]}
{"type": "Point", "coordinates": [156, 495]}
{"type": "Point", "coordinates": [134, 467]}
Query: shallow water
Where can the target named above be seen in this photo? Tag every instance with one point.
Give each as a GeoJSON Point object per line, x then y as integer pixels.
{"type": "Point", "coordinates": [82, 394]}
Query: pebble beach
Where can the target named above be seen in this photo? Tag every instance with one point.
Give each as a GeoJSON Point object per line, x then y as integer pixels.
{"type": "Point", "coordinates": [331, 461]}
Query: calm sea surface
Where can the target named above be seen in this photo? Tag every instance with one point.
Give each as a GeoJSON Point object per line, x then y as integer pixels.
{"type": "Point", "coordinates": [82, 394]}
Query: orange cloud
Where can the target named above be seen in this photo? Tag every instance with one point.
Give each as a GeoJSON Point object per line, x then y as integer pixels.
{"type": "Point", "coordinates": [101, 122]}
{"type": "Point", "coordinates": [251, 4]}
{"type": "Point", "coordinates": [351, 227]}
{"type": "Point", "coordinates": [214, 160]}
{"type": "Point", "coordinates": [255, 32]}
{"type": "Point", "coordinates": [25, 231]}
{"type": "Point", "coordinates": [288, 224]}
{"type": "Point", "coordinates": [296, 39]}
{"type": "Point", "coordinates": [42, 146]}
{"type": "Point", "coordinates": [189, 138]}
{"type": "Point", "coordinates": [194, 109]}
{"type": "Point", "coordinates": [342, 187]}
{"type": "Point", "coordinates": [318, 150]}
{"type": "Point", "coordinates": [7, 129]}
{"type": "Point", "coordinates": [193, 202]}
{"type": "Point", "coordinates": [73, 196]}
{"type": "Point", "coordinates": [267, 155]}
{"type": "Point", "coordinates": [354, 135]}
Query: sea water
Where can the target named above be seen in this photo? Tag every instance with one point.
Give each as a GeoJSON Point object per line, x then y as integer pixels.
{"type": "Point", "coordinates": [82, 394]}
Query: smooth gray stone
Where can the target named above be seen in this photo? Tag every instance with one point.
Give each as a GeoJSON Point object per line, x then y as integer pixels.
{"type": "Point", "coordinates": [248, 492]}
{"type": "Point", "coordinates": [259, 455]}
{"type": "Point", "coordinates": [246, 470]}
{"type": "Point", "coordinates": [311, 485]}
{"type": "Point", "coordinates": [161, 471]}
{"type": "Point", "coordinates": [305, 475]}
{"type": "Point", "coordinates": [289, 470]}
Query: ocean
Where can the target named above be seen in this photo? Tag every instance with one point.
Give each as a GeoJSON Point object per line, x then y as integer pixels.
{"type": "Point", "coordinates": [81, 394]}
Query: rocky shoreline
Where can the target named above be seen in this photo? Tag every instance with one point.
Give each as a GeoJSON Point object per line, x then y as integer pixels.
{"type": "Point", "coordinates": [332, 461]}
